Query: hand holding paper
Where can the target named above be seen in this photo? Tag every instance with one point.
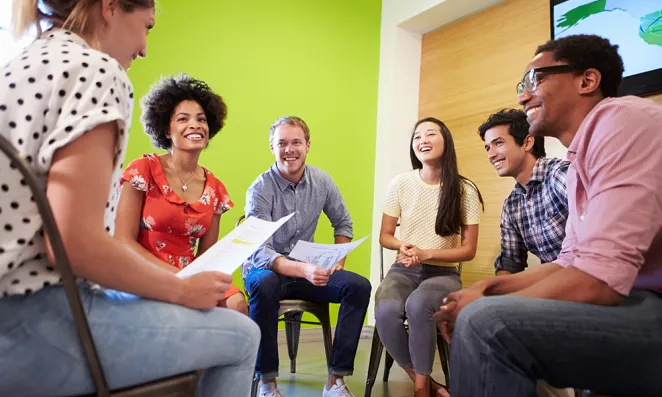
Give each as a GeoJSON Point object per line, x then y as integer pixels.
{"type": "Point", "coordinates": [323, 255]}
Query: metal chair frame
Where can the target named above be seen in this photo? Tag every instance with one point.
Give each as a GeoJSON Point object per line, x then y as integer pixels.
{"type": "Point", "coordinates": [377, 347]}
{"type": "Point", "coordinates": [183, 385]}
{"type": "Point", "coordinates": [291, 311]}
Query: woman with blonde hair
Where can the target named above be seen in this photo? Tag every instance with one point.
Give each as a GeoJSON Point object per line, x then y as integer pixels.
{"type": "Point", "coordinates": [65, 104]}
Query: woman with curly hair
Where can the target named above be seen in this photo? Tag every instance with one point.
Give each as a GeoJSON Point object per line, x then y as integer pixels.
{"type": "Point", "coordinates": [169, 203]}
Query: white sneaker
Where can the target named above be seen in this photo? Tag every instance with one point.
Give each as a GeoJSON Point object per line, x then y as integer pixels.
{"type": "Point", "coordinates": [340, 389]}
{"type": "Point", "coordinates": [269, 389]}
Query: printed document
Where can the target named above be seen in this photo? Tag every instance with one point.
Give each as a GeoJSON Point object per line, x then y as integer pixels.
{"type": "Point", "coordinates": [323, 255]}
{"type": "Point", "coordinates": [232, 250]}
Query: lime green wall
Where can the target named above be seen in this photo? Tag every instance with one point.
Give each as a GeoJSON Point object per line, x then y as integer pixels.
{"type": "Point", "coordinates": [317, 59]}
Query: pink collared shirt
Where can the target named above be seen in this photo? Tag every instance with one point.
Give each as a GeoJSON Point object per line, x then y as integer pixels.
{"type": "Point", "coordinates": [614, 228]}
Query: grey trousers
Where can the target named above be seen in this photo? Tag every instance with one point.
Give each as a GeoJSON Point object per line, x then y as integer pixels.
{"type": "Point", "coordinates": [413, 294]}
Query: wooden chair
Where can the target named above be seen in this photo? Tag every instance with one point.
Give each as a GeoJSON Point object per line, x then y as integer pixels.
{"type": "Point", "coordinates": [183, 385]}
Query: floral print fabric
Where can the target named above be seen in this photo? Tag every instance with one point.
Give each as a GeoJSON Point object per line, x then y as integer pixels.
{"type": "Point", "coordinates": [169, 226]}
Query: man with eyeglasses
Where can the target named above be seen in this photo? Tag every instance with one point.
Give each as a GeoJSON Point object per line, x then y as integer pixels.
{"type": "Point", "coordinates": [592, 319]}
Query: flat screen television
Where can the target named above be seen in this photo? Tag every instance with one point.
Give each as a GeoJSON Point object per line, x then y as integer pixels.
{"type": "Point", "coordinates": [635, 25]}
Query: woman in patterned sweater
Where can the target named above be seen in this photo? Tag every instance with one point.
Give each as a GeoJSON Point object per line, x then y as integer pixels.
{"type": "Point", "coordinates": [438, 210]}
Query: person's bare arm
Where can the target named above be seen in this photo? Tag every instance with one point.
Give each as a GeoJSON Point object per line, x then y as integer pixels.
{"type": "Point", "coordinates": [387, 237]}
{"type": "Point", "coordinates": [77, 190]}
{"type": "Point", "coordinates": [511, 283]}
{"type": "Point", "coordinates": [211, 237]}
{"type": "Point", "coordinates": [127, 224]}
{"type": "Point", "coordinates": [573, 285]}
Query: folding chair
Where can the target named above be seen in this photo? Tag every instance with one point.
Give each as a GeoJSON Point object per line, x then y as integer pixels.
{"type": "Point", "coordinates": [183, 385]}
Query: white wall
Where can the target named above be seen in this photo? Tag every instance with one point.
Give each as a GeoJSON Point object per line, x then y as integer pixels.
{"type": "Point", "coordinates": [402, 26]}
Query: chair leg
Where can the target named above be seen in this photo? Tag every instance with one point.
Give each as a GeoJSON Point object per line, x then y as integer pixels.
{"type": "Point", "coordinates": [254, 385]}
{"type": "Point", "coordinates": [444, 356]}
{"type": "Point", "coordinates": [373, 365]}
{"type": "Point", "coordinates": [292, 333]}
{"type": "Point", "coordinates": [388, 363]}
{"type": "Point", "coordinates": [323, 316]}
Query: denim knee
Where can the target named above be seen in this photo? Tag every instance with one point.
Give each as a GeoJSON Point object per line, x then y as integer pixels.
{"type": "Point", "coordinates": [360, 286]}
{"type": "Point", "coordinates": [387, 312]}
{"type": "Point", "coordinates": [479, 318]}
{"type": "Point", "coordinates": [419, 307]}
{"type": "Point", "coordinates": [263, 285]}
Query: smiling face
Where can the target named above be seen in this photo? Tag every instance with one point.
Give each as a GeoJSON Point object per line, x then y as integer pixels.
{"type": "Point", "coordinates": [504, 153]}
{"type": "Point", "coordinates": [188, 127]}
{"type": "Point", "coordinates": [428, 143]}
{"type": "Point", "coordinates": [290, 147]}
{"type": "Point", "coordinates": [553, 99]}
{"type": "Point", "coordinates": [124, 36]}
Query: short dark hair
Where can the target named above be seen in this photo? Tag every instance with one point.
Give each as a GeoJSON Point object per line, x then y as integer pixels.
{"type": "Point", "coordinates": [590, 51]}
{"type": "Point", "coordinates": [518, 127]}
{"type": "Point", "coordinates": [160, 102]}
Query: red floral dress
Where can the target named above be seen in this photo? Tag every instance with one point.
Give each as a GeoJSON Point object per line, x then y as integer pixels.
{"type": "Point", "coordinates": [170, 227]}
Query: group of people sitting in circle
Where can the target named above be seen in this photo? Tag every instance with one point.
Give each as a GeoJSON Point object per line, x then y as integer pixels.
{"type": "Point", "coordinates": [589, 317]}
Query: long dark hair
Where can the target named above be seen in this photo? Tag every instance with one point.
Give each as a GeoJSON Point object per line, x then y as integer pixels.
{"type": "Point", "coordinates": [452, 183]}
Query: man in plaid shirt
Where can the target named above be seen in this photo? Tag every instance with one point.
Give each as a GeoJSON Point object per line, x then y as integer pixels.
{"type": "Point", "coordinates": [534, 214]}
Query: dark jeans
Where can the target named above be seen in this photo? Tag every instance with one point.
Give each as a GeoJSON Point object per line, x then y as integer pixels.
{"type": "Point", "coordinates": [502, 344]}
{"type": "Point", "coordinates": [266, 289]}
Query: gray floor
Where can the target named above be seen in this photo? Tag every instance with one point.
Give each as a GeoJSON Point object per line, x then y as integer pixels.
{"type": "Point", "coordinates": [311, 373]}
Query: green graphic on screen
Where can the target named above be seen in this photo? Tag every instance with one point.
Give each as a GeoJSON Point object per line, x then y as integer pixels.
{"type": "Point", "coordinates": [635, 25]}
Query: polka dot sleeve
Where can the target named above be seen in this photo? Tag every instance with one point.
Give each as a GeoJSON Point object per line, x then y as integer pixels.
{"type": "Point", "coordinates": [90, 96]}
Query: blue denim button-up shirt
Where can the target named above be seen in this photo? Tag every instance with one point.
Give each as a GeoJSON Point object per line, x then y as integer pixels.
{"type": "Point", "coordinates": [271, 197]}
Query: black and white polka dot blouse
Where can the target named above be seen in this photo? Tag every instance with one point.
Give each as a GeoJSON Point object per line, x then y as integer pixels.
{"type": "Point", "coordinates": [50, 95]}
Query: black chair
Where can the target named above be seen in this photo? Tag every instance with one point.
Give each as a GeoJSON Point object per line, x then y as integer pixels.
{"type": "Point", "coordinates": [183, 385]}
{"type": "Point", "coordinates": [378, 347]}
{"type": "Point", "coordinates": [291, 311]}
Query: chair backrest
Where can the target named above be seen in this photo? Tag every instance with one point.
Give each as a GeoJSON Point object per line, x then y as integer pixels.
{"type": "Point", "coordinates": [381, 260]}
{"type": "Point", "coordinates": [62, 264]}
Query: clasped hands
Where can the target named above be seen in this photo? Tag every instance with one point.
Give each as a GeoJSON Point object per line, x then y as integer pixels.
{"type": "Point", "coordinates": [411, 256]}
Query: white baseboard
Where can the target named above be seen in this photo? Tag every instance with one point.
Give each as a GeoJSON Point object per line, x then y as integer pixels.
{"type": "Point", "coordinates": [315, 334]}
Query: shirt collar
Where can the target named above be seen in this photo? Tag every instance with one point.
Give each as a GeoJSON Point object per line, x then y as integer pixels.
{"type": "Point", "coordinates": [537, 174]}
{"type": "Point", "coordinates": [284, 183]}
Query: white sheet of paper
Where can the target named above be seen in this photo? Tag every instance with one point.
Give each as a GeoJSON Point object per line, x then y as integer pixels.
{"type": "Point", "coordinates": [323, 255]}
{"type": "Point", "coordinates": [232, 250]}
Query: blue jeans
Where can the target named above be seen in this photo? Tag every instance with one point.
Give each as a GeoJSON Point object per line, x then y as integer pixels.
{"type": "Point", "coordinates": [501, 345]}
{"type": "Point", "coordinates": [266, 288]}
{"type": "Point", "coordinates": [137, 341]}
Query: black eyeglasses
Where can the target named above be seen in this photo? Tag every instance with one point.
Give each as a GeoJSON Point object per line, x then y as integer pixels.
{"type": "Point", "coordinates": [533, 77]}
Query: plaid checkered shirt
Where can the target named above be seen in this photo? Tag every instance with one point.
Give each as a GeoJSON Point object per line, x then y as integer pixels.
{"type": "Point", "coordinates": [533, 217]}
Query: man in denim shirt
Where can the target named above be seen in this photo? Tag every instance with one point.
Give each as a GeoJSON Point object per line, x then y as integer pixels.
{"type": "Point", "coordinates": [270, 276]}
